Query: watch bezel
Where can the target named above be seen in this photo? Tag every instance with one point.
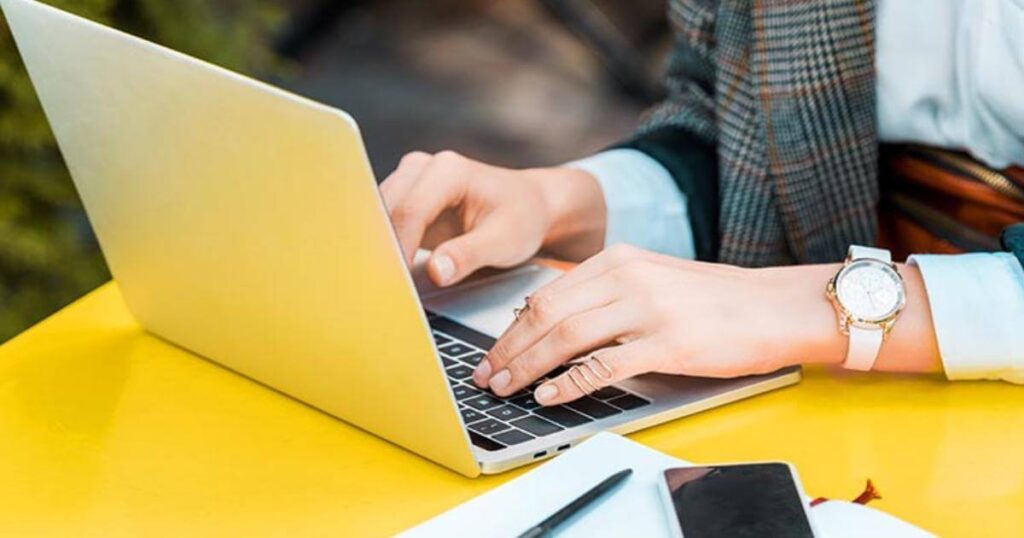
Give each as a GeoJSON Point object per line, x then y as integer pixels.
{"type": "Point", "coordinates": [848, 318]}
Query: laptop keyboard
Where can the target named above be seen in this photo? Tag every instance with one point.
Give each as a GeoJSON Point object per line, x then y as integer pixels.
{"type": "Point", "coordinates": [494, 422]}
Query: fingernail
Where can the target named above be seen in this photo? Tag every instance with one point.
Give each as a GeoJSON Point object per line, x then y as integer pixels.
{"type": "Point", "coordinates": [546, 393]}
{"type": "Point", "coordinates": [501, 380]}
{"type": "Point", "coordinates": [444, 267]}
{"type": "Point", "coordinates": [482, 373]}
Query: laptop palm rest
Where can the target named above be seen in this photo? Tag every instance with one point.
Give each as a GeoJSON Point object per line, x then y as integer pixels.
{"type": "Point", "coordinates": [484, 302]}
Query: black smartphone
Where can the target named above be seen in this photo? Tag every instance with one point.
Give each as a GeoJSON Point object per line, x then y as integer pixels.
{"type": "Point", "coordinates": [740, 500]}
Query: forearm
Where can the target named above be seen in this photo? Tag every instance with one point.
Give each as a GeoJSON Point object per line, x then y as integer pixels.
{"type": "Point", "coordinates": [910, 347]}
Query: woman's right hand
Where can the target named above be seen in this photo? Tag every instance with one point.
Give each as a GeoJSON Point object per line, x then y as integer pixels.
{"type": "Point", "coordinates": [475, 215]}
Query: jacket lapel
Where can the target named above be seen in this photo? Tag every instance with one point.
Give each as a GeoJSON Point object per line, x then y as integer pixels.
{"type": "Point", "coordinates": [812, 65]}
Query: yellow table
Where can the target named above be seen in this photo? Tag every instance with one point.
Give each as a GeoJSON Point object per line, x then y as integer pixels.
{"type": "Point", "coordinates": [107, 431]}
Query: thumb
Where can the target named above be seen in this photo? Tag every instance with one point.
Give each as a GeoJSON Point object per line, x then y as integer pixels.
{"type": "Point", "coordinates": [460, 256]}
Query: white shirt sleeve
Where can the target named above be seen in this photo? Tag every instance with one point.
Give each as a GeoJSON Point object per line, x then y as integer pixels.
{"type": "Point", "coordinates": [944, 73]}
{"type": "Point", "coordinates": [645, 207]}
{"type": "Point", "coordinates": [977, 305]}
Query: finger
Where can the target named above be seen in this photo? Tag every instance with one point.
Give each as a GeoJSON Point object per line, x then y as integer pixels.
{"type": "Point", "coordinates": [544, 312]}
{"type": "Point", "coordinates": [440, 185]}
{"type": "Point", "coordinates": [459, 257]}
{"type": "Point", "coordinates": [622, 362]}
{"type": "Point", "coordinates": [573, 337]}
{"type": "Point", "coordinates": [396, 185]}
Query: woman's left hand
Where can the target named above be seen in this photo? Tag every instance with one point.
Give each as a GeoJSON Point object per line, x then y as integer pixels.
{"type": "Point", "coordinates": [639, 312]}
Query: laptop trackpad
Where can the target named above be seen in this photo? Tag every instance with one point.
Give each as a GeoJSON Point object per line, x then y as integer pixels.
{"type": "Point", "coordinates": [486, 304]}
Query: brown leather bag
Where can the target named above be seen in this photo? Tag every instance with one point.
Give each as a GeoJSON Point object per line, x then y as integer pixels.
{"type": "Point", "coordinates": [944, 202]}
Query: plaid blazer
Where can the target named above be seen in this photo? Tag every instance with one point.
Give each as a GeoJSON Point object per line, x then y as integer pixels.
{"type": "Point", "coordinates": [769, 127]}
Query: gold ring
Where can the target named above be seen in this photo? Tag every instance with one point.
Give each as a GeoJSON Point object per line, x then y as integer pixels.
{"type": "Point", "coordinates": [581, 378]}
{"type": "Point", "coordinates": [522, 310]}
{"type": "Point", "coordinates": [575, 382]}
{"type": "Point", "coordinates": [607, 376]}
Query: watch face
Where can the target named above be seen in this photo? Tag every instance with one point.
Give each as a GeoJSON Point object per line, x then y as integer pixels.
{"type": "Point", "coordinates": [870, 290]}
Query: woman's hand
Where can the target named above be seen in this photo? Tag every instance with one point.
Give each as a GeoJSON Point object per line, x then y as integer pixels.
{"type": "Point", "coordinates": [645, 312]}
{"type": "Point", "coordinates": [475, 215]}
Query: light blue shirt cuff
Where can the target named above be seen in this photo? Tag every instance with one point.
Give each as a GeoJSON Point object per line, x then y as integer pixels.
{"type": "Point", "coordinates": [977, 305]}
{"type": "Point", "coordinates": [645, 207]}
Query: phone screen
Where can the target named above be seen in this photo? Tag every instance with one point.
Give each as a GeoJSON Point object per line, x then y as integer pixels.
{"type": "Point", "coordinates": [738, 501]}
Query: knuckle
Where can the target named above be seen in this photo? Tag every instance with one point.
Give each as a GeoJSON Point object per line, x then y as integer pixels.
{"type": "Point", "coordinates": [541, 309]}
{"type": "Point", "coordinates": [630, 272]}
{"type": "Point", "coordinates": [543, 313]}
{"type": "Point", "coordinates": [449, 156]}
{"type": "Point", "coordinates": [569, 331]}
{"type": "Point", "coordinates": [413, 158]}
{"type": "Point", "coordinates": [402, 215]}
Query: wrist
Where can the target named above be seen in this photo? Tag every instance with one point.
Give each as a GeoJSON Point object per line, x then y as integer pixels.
{"type": "Point", "coordinates": [810, 333]}
{"type": "Point", "coordinates": [575, 209]}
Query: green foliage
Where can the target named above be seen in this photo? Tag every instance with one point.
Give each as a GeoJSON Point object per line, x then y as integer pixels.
{"type": "Point", "coordinates": [48, 256]}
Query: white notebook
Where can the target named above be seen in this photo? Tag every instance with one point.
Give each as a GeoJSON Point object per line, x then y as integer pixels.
{"type": "Point", "coordinates": [632, 509]}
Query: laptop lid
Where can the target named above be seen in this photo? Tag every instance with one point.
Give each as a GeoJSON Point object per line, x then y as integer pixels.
{"type": "Point", "coordinates": [243, 223]}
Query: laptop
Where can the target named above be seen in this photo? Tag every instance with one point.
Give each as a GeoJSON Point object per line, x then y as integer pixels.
{"type": "Point", "coordinates": [243, 223]}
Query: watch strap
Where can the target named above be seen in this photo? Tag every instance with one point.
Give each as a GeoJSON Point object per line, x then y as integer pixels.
{"type": "Point", "coordinates": [865, 343]}
{"type": "Point", "coordinates": [864, 347]}
{"type": "Point", "coordinates": [857, 252]}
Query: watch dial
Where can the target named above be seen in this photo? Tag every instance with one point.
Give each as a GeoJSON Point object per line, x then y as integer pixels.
{"type": "Point", "coordinates": [870, 291]}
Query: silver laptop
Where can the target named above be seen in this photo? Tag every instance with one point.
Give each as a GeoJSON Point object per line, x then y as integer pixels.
{"type": "Point", "coordinates": [243, 223]}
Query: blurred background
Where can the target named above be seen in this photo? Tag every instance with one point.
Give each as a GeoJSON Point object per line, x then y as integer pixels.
{"type": "Point", "coordinates": [512, 82]}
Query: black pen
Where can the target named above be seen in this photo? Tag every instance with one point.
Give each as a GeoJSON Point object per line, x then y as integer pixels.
{"type": "Point", "coordinates": [545, 527]}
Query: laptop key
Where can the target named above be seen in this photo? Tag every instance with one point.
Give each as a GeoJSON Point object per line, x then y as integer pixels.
{"type": "Point", "coordinates": [593, 408]}
{"type": "Point", "coordinates": [469, 415]}
{"type": "Point", "coordinates": [629, 401]}
{"type": "Point", "coordinates": [460, 372]}
{"type": "Point", "coordinates": [483, 402]}
{"type": "Point", "coordinates": [608, 393]}
{"type": "Point", "coordinates": [462, 392]}
{"type": "Point", "coordinates": [563, 415]}
{"type": "Point", "coordinates": [441, 339]}
{"type": "Point", "coordinates": [448, 362]}
{"type": "Point", "coordinates": [536, 425]}
{"type": "Point", "coordinates": [488, 426]}
{"type": "Point", "coordinates": [485, 443]}
{"type": "Point", "coordinates": [452, 328]}
{"type": "Point", "coordinates": [513, 437]}
{"type": "Point", "coordinates": [454, 350]}
{"type": "Point", "coordinates": [473, 359]}
{"type": "Point", "coordinates": [526, 401]}
{"type": "Point", "coordinates": [507, 412]}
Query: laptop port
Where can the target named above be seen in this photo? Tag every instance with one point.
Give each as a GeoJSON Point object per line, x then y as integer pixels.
{"type": "Point", "coordinates": [540, 455]}
{"type": "Point", "coordinates": [563, 447]}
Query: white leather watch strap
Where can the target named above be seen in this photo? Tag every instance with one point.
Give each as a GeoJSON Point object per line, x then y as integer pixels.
{"type": "Point", "coordinates": [865, 343]}
{"type": "Point", "coordinates": [857, 252]}
{"type": "Point", "coordinates": [864, 347]}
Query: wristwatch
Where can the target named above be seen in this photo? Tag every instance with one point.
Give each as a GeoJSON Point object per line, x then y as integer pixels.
{"type": "Point", "coordinates": [868, 294]}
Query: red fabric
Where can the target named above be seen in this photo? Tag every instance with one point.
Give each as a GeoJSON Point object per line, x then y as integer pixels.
{"type": "Point", "coordinates": [869, 494]}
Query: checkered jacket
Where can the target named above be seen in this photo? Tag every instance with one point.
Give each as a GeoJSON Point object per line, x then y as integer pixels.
{"type": "Point", "coordinates": [769, 127]}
